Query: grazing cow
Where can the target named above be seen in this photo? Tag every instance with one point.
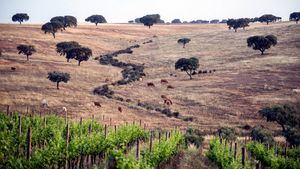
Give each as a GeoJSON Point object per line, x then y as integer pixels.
{"type": "Point", "coordinates": [204, 71]}
{"type": "Point", "coordinates": [214, 70]}
{"type": "Point", "coordinates": [194, 73]}
{"type": "Point", "coordinates": [200, 72]}
{"type": "Point", "coordinates": [210, 71]}
{"type": "Point", "coordinates": [97, 104]}
{"type": "Point", "coordinates": [120, 109]}
{"type": "Point", "coordinates": [164, 97]}
{"type": "Point", "coordinates": [44, 103]}
{"type": "Point", "coordinates": [13, 68]}
{"type": "Point", "coordinates": [168, 102]}
{"type": "Point", "coordinates": [163, 81]}
{"type": "Point", "coordinates": [106, 80]}
{"type": "Point", "coordinates": [150, 84]}
{"type": "Point", "coordinates": [170, 87]}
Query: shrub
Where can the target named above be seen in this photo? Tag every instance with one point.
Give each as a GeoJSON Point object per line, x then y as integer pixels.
{"type": "Point", "coordinates": [227, 133]}
{"type": "Point", "coordinates": [261, 134]}
{"type": "Point", "coordinates": [193, 136]}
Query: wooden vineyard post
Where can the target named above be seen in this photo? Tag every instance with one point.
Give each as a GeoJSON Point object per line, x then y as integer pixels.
{"type": "Point", "coordinates": [144, 126]}
{"type": "Point", "coordinates": [166, 135]}
{"type": "Point", "coordinates": [115, 128]}
{"type": "Point", "coordinates": [109, 121]}
{"type": "Point", "coordinates": [28, 144]}
{"type": "Point", "coordinates": [66, 117]}
{"type": "Point", "coordinates": [159, 136]}
{"type": "Point", "coordinates": [150, 148]}
{"type": "Point", "coordinates": [140, 123]}
{"type": "Point", "coordinates": [230, 149]}
{"type": "Point", "coordinates": [67, 144]}
{"type": "Point", "coordinates": [20, 125]}
{"type": "Point", "coordinates": [133, 122]}
{"type": "Point", "coordinates": [243, 157]}
{"type": "Point", "coordinates": [138, 149]}
{"type": "Point", "coordinates": [80, 121]}
{"type": "Point", "coordinates": [27, 110]}
{"type": "Point", "coordinates": [285, 151]}
{"type": "Point", "coordinates": [105, 130]}
{"type": "Point", "coordinates": [235, 148]}
{"type": "Point", "coordinates": [45, 125]}
{"type": "Point", "coordinates": [90, 128]}
{"type": "Point", "coordinates": [7, 110]}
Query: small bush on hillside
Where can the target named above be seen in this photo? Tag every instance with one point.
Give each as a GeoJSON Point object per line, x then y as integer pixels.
{"type": "Point", "coordinates": [193, 136]}
{"type": "Point", "coordinates": [260, 134]}
{"type": "Point", "coordinates": [227, 133]}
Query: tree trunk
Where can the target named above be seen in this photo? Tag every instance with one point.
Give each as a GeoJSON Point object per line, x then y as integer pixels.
{"type": "Point", "coordinates": [149, 26]}
{"type": "Point", "coordinates": [235, 30]}
{"type": "Point", "coordinates": [267, 23]}
{"type": "Point", "coordinates": [20, 22]}
{"type": "Point", "coordinates": [57, 85]}
{"type": "Point", "coordinates": [262, 52]}
{"type": "Point", "coordinates": [53, 35]}
{"type": "Point", "coordinates": [79, 63]}
{"type": "Point", "coordinates": [27, 57]}
{"type": "Point", "coordinates": [96, 23]}
{"type": "Point", "coordinates": [183, 45]}
{"type": "Point", "coordinates": [190, 74]}
{"type": "Point", "coordinates": [68, 60]}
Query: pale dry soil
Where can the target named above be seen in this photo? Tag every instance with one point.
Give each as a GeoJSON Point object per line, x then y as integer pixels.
{"type": "Point", "coordinates": [244, 80]}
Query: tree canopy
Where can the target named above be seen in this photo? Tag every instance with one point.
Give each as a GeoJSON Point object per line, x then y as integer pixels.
{"type": "Point", "coordinates": [63, 47]}
{"type": "Point", "coordinates": [58, 77]}
{"type": "Point", "coordinates": [286, 116]}
{"type": "Point", "coordinates": [183, 41]}
{"type": "Point", "coordinates": [295, 16]}
{"type": "Point", "coordinates": [176, 21]}
{"type": "Point", "coordinates": [268, 18]}
{"type": "Point", "coordinates": [238, 23]}
{"type": "Point", "coordinates": [96, 19]}
{"type": "Point", "coordinates": [189, 65]}
{"type": "Point", "coordinates": [20, 17]}
{"type": "Point", "coordinates": [150, 20]}
{"type": "Point", "coordinates": [66, 21]}
{"type": "Point", "coordinates": [262, 43]}
{"type": "Point", "coordinates": [52, 27]}
{"type": "Point", "coordinates": [79, 53]}
{"type": "Point", "coordinates": [27, 50]}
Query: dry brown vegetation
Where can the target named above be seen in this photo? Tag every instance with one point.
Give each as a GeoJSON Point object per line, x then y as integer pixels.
{"type": "Point", "coordinates": [243, 82]}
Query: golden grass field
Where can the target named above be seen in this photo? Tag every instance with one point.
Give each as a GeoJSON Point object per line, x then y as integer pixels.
{"type": "Point", "coordinates": [244, 80]}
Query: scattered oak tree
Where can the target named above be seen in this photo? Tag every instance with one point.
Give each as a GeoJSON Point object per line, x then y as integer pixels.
{"type": "Point", "coordinates": [188, 65]}
{"type": "Point", "coordinates": [27, 50]}
{"type": "Point", "coordinates": [60, 19]}
{"type": "Point", "coordinates": [80, 54]}
{"type": "Point", "coordinates": [268, 18]}
{"type": "Point", "coordinates": [238, 23]}
{"type": "Point", "coordinates": [295, 16]}
{"type": "Point", "coordinates": [262, 43]}
{"type": "Point", "coordinates": [286, 116]}
{"type": "Point", "coordinates": [150, 20]}
{"type": "Point", "coordinates": [52, 27]}
{"type": "Point", "coordinates": [63, 47]}
{"type": "Point", "coordinates": [20, 17]}
{"type": "Point", "coordinates": [183, 41]}
{"type": "Point", "coordinates": [58, 77]}
{"type": "Point", "coordinates": [96, 19]}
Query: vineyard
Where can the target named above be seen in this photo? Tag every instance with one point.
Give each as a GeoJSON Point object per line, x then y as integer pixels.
{"type": "Point", "coordinates": [252, 155]}
{"type": "Point", "coordinates": [55, 142]}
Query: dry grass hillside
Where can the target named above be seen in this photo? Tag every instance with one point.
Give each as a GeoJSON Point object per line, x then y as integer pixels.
{"type": "Point", "coordinates": [243, 82]}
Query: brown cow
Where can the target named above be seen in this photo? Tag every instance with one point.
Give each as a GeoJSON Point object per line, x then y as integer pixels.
{"type": "Point", "coordinates": [97, 104]}
{"type": "Point", "coordinates": [170, 87]}
{"type": "Point", "coordinates": [163, 81]}
{"type": "Point", "coordinates": [164, 97]}
{"type": "Point", "coordinates": [13, 68]}
{"type": "Point", "coordinates": [168, 102]}
{"type": "Point", "coordinates": [120, 109]}
{"type": "Point", "coordinates": [150, 84]}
